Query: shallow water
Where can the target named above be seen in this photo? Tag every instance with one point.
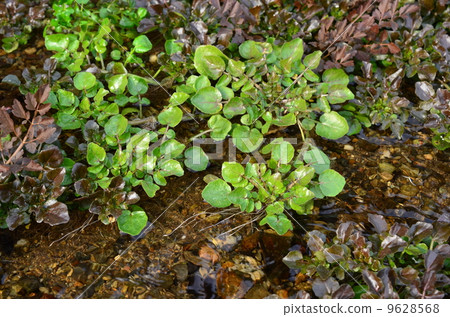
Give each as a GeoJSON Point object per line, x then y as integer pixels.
{"type": "Point", "coordinates": [194, 251]}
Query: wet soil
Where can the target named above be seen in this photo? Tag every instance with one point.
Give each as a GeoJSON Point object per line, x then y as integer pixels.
{"type": "Point", "coordinates": [193, 251]}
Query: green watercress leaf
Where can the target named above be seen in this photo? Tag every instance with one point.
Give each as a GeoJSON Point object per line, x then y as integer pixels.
{"type": "Point", "coordinates": [208, 100]}
{"type": "Point", "coordinates": [332, 126]}
{"type": "Point", "coordinates": [84, 80]}
{"type": "Point", "coordinates": [137, 85]}
{"type": "Point", "coordinates": [142, 44]}
{"type": "Point", "coordinates": [247, 140]}
{"type": "Point", "coordinates": [132, 222]}
{"type": "Point", "coordinates": [196, 159]}
{"type": "Point", "coordinates": [220, 127]}
{"type": "Point", "coordinates": [170, 116]}
{"type": "Point", "coordinates": [95, 154]}
{"type": "Point", "coordinates": [216, 193]}
{"type": "Point", "coordinates": [209, 61]}
{"type": "Point", "coordinates": [331, 182]}
{"type": "Point", "coordinates": [116, 125]}
{"type": "Point", "coordinates": [232, 172]}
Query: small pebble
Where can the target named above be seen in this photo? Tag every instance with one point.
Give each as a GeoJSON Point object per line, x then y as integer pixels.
{"type": "Point", "coordinates": [428, 156]}
{"type": "Point", "coordinates": [386, 167]}
{"type": "Point", "coordinates": [348, 147]}
{"type": "Point", "coordinates": [386, 176]}
{"type": "Point", "coordinates": [21, 243]}
{"type": "Point", "coordinates": [409, 190]}
{"type": "Point", "coordinates": [30, 50]}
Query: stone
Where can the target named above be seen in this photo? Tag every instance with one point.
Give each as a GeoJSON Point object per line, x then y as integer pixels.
{"type": "Point", "coordinates": [21, 243]}
{"type": "Point", "coordinates": [30, 283]}
{"type": "Point", "coordinates": [409, 190]}
{"type": "Point", "coordinates": [348, 147]}
{"type": "Point", "coordinates": [257, 292]}
{"type": "Point", "coordinates": [181, 271]}
{"type": "Point", "coordinates": [386, 167]}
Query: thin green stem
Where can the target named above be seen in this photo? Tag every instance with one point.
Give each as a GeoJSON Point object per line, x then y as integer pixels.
{"type": "Point", "coordinates": [200, 134]}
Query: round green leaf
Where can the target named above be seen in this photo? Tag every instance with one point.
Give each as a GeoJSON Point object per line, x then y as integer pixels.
{"type": "Point", "coordinates": [335, 77]}
{"type": "Point", "coordinates": [149, 187]}
{"type": "Point", "coordinates": [95, 154]}
{"type": "Point", "coordinates": [137, 85]}
{"type": "Point", "coordinates": [247, 140]}
{"type": "Point", "coordinates": [280, 223]}
{"type": "Point", "coordinates": [332, 126]}
{"type": "Point", "coordinates": [275, 208]}
{"type": "Point", "coordinates": [201, 82]}
{"type": "Point", "coordinates": [232, 172]}
{"type": "Point", "coordinates": [115, 55]}
{"type": "Point", "coordinates": [170, 116]}
{"type": "Point", "coordinates": [236, 68]}
{"type": "Point", "coordinates": [142, 44]}
{"type": "Point", "coordinates": [117, 83]}
{"type": "Point", "coordinates": [220, 127]}
{"type": "Point", "coordinates": [209, 61]}
{"type": "Point", "coordinates": [116, 125]}
{"type": "Point", "coordinates": [171, 148]}
{"type": "Point", "coordinates": [250, 49]}
{"type": "Point", "coordinates": [312, 60]}
{"type": "Point", "coordinates": [178, 98]}
{"type": "Point", "coordinates": [302, 175]}
{"type": "Point", "coordinates": [84, 80]}
{"type": "Point", "coordinates": [57, 42]}
{"type": "Point", "coordinates": [234, 107]}
{"type": "Point", "coordinates": [216, 193]}
{"type": "Point", "coordinates": [172, 47]}
{"type": "Point", "coordinates": [207, 100]}
{"type": "Point", "coordinates": [301, 195]}
{"type": "Point", "coordinates": [339, 94]}
{"type": "Point", "coordinates": [292, 50]}
{"type": "Point", "coordinates": [171, 167]}
{"type": "Point", "coordinates": [331, 182]}
{"type": "Point", "coordinates": [317, 159]}
{"type": "Point", "coordinates": [68, 121]}
{"type": "Point", "coordinates": [283, 152]}
{"type": "Point", "coordinates": [132, 222]}
{"type": "Point", "coordinates": [196, 159]}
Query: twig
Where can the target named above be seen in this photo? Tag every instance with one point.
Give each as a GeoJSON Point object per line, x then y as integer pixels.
{"type": "Point", "coordinates": [142, 121]}
{"type": "Point", "coordinates": [84, 225]}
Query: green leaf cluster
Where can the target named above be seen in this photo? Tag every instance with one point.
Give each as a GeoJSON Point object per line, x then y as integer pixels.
{"type": "Point", "coordinates": [281, 184]}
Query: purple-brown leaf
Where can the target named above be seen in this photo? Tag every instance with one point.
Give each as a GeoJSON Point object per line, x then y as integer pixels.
{"type": "Point", "coordinates": [30, 102]}
{"type": "Point", "coordinates": [6, 123]}
{"type": "Point", "coordinates": [18, 111]}
{"type": "Point", "coordinates": [43, 93]}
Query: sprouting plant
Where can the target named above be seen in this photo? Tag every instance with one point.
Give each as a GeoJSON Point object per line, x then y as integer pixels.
{"type": "Point", "coordinates": [30, 171]}
{"type": "Point", "coordinates": [280, 185]}
{"type": "Point", "coordinates": [268, 85]}
{"type": "Point", "coordinates": [83, 32]}
{"type": "Point", "coordinates": [223, 23]}
{"type": "Point", "coordinates": [397, 261]}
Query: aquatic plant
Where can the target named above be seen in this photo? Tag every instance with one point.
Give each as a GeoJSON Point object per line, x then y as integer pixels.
{"type": "Point", "coordinates": [396, 261]}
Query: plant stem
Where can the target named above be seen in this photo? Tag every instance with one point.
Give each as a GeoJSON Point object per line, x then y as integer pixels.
{"type": "Point", "coordinates": [23, 141]}
{"type": "Point", "coordinates": [142, 121]}
{"type": "Point", "coordinates": [130, 56]}
{"type": "Point", "coordinates": [301, 129]}
{"type": "Point", "coordinates": [101, 61]}
{"type": "Point", "coordinates": [200, 134]}
{"type": "Point", "coordinates": [157, 73]}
